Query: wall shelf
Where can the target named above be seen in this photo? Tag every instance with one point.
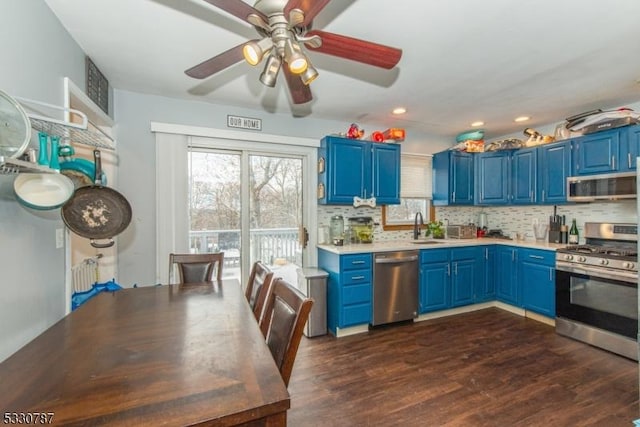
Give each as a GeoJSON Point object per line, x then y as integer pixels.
{"type": "Point", "coordinates": [66, 130]}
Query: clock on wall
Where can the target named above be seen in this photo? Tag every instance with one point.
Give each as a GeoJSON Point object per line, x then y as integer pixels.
{"type": "Point", "coordinates": [97, 86]}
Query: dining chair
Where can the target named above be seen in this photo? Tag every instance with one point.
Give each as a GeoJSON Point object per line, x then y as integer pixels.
{"type": "Point", "coordinates": [257, 287]}
{"type": "Point", "coordinates": [194, 268]}
{"type": "Point", "coordinates": [285, 314]}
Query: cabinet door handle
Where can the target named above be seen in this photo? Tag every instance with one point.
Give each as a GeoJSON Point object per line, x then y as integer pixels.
{"type": "Point", "coordinates": [629, 160]}
{"type": "Point", "coordinates": [543, 199]}
{"type": "Point", "coordinates": [357, 262]}
{"type": "Point", "coordinates": [448, 270]}
{"type": "Point", "coordinates": [453, 196]}
{"type": "Point", "coordinates": [613, 162]}
{"type": "Point", "coordinates": [455, 268]}
{"type": "Point", "coordinates": [551, 274]}
{"type": "Point", "coordinates": [486, 253]}
{"type": "Point", "coordinates": [536, 256]}
{"type": "Point", "coordinates": [357, 277]}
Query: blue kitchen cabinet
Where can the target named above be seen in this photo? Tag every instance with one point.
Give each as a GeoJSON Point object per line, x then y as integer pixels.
{"type": "Point", "coordinates": [348, 288]}
{"type": "Point", "coordinates": [598, 152]}
{"type": "Point", "coordinates": [524, 166]}
{"type": "Point", "coordinates": [492, 178]}
{"type": "Point", "coordinates": [466, 273]}
{"type": "Point", "coordinates": [554, 166]}
{"type": "Point", "coordinates": [449, 277]}
{"type": "Point", "coordinates": [630, 149]}
{"type": "Point", "coordinates": [537, 270]}
{"type": "Point", "coordinates": [364, 169]}
{"type": "Point", "coordinates": [506, 177]}
{"type": "Point", "coordinates": [453, 178]}
{"type": "Point", "coordinates": [434, 290]}
{"type": "Point", "coordinates": [485, 288]}
{"type": "Point", "coordinates": [385, 168]}
{"type": "Point", "coordinates": [508, 288]}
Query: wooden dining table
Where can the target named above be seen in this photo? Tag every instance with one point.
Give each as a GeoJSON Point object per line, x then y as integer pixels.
{"type": "Point", "coordinates": [172, 355]}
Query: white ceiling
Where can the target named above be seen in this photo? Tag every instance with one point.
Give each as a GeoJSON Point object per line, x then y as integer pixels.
{"type": "Point", "coordinates": [463, 60]}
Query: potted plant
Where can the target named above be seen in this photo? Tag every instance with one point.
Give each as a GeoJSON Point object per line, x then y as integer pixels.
{"type": "Point", "coordinates": [435, 229]}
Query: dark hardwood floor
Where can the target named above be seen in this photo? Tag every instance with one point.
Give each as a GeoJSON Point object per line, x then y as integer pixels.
{"type": "Point", "coordinates": [486, 368]}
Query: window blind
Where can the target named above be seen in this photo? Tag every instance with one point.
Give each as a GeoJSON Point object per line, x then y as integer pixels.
{"type": "Point", "coordinates": [415, 176]}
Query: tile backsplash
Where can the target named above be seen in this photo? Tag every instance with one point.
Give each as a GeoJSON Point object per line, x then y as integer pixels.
{"type": "Point", "coordinates": [510, 219]}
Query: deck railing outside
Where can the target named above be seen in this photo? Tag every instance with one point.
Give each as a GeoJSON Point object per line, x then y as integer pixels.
{"type": "Point", "coordinates": [273, 246]}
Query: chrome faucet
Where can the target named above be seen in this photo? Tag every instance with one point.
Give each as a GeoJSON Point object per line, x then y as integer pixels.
{"type": "Point", "coordinates": [416, 225]}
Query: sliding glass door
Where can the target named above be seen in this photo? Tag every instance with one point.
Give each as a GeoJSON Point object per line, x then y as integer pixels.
{"type": "Point", "coordinates": [248, 205]}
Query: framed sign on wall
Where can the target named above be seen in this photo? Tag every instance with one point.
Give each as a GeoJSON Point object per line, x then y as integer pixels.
{"type": "Point", "coordinates": [97, 86]}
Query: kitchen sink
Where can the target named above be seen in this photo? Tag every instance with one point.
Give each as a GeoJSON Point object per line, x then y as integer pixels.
{"type": "Point", "coordinates": [425, 242]}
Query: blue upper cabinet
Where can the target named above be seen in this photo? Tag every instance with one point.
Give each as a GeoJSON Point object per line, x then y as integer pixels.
{"type": "Point", "coordinates": [630, 149]}
{"type": "Point", "coordinates": [524, 164]}
{"type": "Point", "coordinates": [598, 152]}
{"type": "Point", "coordinates": [453, 178]}
{"type": "Point", "coordinates": [492, 178]}
{"type": "Point", "coordinates": [506, 177]}
{"type": "Point", "coordinates": [554, 166]}
{"type": "Point", "coordinates": [358, 168]}
{"type": "Point", "coordinates": [386, 173]}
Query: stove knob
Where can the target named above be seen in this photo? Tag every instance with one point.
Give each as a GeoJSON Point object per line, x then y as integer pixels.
{"type": "Point", "coordinates": [568, 257]}
{"type": "Point", "coordinates": [581, 259]}
{"type": "Point", "coordinates": [604, 261]}
{"type": "Point", "coordinates": [628, 265]}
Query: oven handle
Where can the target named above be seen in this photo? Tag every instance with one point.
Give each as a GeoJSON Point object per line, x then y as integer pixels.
{"type": "Point", "coordinates": [597, 272]}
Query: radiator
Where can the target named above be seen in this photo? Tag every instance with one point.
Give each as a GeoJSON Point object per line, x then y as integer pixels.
{"type": "Point", "coordinates": [85, 274]}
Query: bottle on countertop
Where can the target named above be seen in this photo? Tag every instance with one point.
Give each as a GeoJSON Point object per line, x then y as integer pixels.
{"type": "Point", "coordinates": [573, 233]}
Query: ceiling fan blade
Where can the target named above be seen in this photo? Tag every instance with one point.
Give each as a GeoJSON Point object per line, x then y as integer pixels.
{"type": "Point", "coordinates": [238, 8]}
{"type": "Point", "coordinates": [300, 93]}
{"type": "Point", "coordinates": [310, 8]}
{"type": "Point", "coordinates": [363, 51]}
{"type": "Point", "coordinates": [217, 63]}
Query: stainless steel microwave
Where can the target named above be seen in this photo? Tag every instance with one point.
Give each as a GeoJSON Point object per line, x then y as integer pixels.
{"type": "Point", "coordinates": [611, 186]}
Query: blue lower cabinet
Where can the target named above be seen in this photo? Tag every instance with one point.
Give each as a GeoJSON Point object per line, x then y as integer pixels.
{"type": "Point", "coordinates": [508, 288]}
{"type": "Point", "coordinates": [449, 277]}
{"type": "Point", "coordinates": [348, 288]}
{"type": "Point", "coordinates": [537, 269]}
{"type": "Point", "coordinates": [486, 288]}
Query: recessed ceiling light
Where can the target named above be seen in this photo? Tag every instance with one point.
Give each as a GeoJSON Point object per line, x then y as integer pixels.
{"type": "Point", "coordinates": [522, 119]}
{"type": "Point", "coordinates": [478, 123]}
{"type": "Point", "coordinates": [399, 110]}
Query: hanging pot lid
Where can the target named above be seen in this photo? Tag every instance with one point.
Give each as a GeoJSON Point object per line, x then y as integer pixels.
{"type": "Point", "coordinates": [15, 127]}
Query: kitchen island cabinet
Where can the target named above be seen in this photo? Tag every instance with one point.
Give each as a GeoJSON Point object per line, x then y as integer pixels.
{"type": "Point", "coordinates": [358, 168]}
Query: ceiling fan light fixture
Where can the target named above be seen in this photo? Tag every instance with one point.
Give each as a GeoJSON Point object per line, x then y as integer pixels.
{"type": "Point", "coordinates": [294, 57]}
{"type": "Point", "coordinates": [253, 51]}
{"type": "Point", "coordinates": [270, 73]}
{"type": "Point", "coordinates": [309, 74]}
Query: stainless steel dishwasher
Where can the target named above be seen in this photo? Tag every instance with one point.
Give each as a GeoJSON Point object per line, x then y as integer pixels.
{"type": "Point", "coordinates": [395, 286]}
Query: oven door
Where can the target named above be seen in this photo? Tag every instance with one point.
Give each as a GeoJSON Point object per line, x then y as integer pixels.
{"type": "Point", "coordinates": [603, 299]}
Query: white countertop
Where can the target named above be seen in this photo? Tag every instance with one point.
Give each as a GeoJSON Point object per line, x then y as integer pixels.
{"type": "Point", "coordinates": [404, 245]}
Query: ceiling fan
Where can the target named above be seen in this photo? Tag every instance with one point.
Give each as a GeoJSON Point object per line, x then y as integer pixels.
{"type": "Point", "coordinates": [284, 26]}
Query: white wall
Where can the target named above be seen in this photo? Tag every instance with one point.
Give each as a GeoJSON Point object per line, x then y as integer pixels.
{"type": "Point", "coordinates": [37, 53]}
{"type": "Point", "coordinates": [133, 114]}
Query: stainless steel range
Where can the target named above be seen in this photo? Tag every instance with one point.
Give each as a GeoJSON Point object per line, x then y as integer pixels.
{"type": "Point", "coordinates": [597, 288]}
